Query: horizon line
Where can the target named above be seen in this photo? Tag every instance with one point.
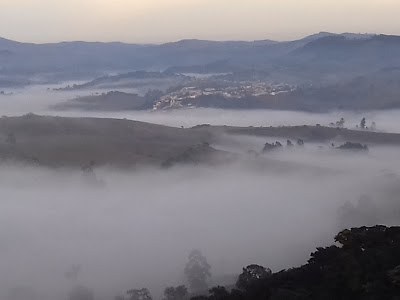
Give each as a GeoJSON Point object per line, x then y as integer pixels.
{"type": "Point", "coordinates": [189, 39]}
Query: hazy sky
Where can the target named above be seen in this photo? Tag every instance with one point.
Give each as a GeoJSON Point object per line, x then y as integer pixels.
{"type": "Point", "coordinates": [169, 20]}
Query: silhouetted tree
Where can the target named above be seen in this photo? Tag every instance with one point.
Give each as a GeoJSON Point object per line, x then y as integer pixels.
{"type": "Point", "coordinates": [219, 293]}
{"type": "Point", "coordinates": [139, 294]}
{"type": "Point", "coordinates": [353, 147]}
{"type": "Point", "coordinates": [366, 265]}
{"type": "Point", "coordinates": [340, 123]}
{"type": "Point", "coordinates": [289, 143]}
{"type": "Point", "coordinates": [175, 293]}
{"type": "Point", "coordinates": [362, 123]}
{"type": "Point", "coordinates": [251, 275]}
{"type": "Point", "coordinates": [268, 147]}
{"type": "Point", "coordinates": [300, 142]}
{"type": "Point", "coordinates": [89, 176]}
{"type": "Point", "coordinates": [394, 276]}
{"type": "Point", "coordinates": [197, 271]}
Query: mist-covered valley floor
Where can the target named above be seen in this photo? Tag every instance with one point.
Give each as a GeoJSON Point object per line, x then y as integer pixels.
{"type": "Point", "coordinates": [137, 228]}
{"type": "Point", "coordinates": [134, 227]}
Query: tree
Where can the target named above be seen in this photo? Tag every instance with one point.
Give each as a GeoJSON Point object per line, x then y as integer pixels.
{"type": "Point", "coordinates": [89, 176]}
{"type": "Point", "coordinates": [268, 147]}
{"type": "Point", "coordinates": [252, 275]}
{"type": "Point", "coordinates": [362, 123]}
{"type": "Point", "coordinates": [365, 266]}
{"type": "Point", "coordinates": [139, 294]}
{"type": "Point", "coordinates": [175, 293]}
{"type": "Point", "coordinates": [218, 293]}
{"type": "Point", "coordinates": [197, 271]}
{"type": "Point", "coordinates": [340, 123]}
{"type": "Point", "coordinates": [353, 147]}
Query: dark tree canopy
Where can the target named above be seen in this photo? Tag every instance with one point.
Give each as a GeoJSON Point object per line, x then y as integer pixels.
{"type": "Point", "coordinates": [218, 293]}
{"type": "Point", "coordinates": [251, 275]}
{"type": "Point", "coordinates": [340, 123]}
{"type": "Point", "coordinates": [353, 147]}
{"type": "Point", "coordinates": [197, 271]}
{"type": "Point", "coordinates": [175, 293]}
{"type": "Point", "coordinates": [268, 147]}
{"type": "Point", "coordinates": [139, 294]}
{"type": "Point", "coordinates": [362, 123]}
{"type": "Point", "coordinates": [366, 265]}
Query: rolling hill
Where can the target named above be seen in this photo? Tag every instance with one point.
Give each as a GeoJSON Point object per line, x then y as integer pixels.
{"type": "Point", "coordinates": [75, 142]}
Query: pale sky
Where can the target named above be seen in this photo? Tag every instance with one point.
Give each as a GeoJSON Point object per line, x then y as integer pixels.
{"type": "Point", "coordinates": [157, 21]}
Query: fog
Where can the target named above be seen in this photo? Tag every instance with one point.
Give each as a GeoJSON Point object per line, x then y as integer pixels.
{"type": "Point", "coordinates": [137, 230]}
{"type": "Point", "coordinates": [387, 121]}
{"type": "Point", "coordinates": [37, 99]}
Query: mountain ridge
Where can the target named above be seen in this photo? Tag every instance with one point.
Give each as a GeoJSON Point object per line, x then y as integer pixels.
{"type": "Point", "coordinates": [320, 53]}
{"type": "Point", "coordinates": [311, 36]}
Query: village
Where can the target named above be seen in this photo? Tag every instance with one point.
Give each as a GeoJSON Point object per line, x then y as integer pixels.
{"type": "Point", "coordinates": [186, 97]}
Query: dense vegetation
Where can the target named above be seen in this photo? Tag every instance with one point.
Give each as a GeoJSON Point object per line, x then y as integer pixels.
{"type": "Point", "coordinates": [365, 265]}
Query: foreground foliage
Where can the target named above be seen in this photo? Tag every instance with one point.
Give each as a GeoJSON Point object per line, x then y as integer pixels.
{"type": "Point", "coordinates": [364, 265]}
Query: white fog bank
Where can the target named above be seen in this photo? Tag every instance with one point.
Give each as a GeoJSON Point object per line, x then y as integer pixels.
{"type": "Point", "coordinates": [138, 229]}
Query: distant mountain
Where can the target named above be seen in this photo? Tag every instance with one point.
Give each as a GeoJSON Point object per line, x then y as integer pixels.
{"type": "Point", "coordinates": [339, 53]}
{"type": "Point", "coordinates": [346, 35]}
{"type": "Point", "coordinates": [8, 43]}
{"type": "Point", "coordinates": [323, 53]}
{"type": "Point", "coordinates": [196, 44]}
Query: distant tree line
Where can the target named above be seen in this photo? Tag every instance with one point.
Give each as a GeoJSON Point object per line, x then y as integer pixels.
{"type": "Point", "coordinates": [362, 125]}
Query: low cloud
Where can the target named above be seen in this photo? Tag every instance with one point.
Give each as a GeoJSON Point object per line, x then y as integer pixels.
{"type": "Point", "coordinates": [137, 230]}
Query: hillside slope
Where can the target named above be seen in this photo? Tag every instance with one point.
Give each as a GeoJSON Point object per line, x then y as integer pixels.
{"type": "Point", "coordinates": [75, 142]}
{"type": "Point", "coordinates": [56, 141]}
